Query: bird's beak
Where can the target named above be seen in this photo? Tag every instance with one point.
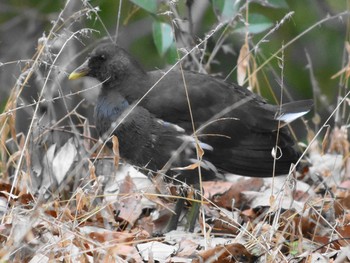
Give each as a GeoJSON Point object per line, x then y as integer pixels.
{"type": "Point", "coordinates": [80, 72]}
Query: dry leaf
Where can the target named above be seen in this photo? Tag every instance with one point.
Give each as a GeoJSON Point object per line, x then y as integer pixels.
{"type": "Point", "coordinates": [82, 199]}
{"type": "Point", "coordinates": [129, 207]}
{"type": "Point", "coordinates": [188, 167]}
{"type": "Point", "coordinates": [92, 170]}
{"type": "Point", "coordinates": [116, 151]}
{"type": "Point", "coordinates": [127, 252]}
{"type": "Point", "coordinates": [235, 192]}
{"type": "Point", "coordinates": [242, 64]}
{"type": "Point", "coordinates": [339, 141]}
{"type": "Point", "coordinates": [226, 253]}
{"type": "Point", "coordinates": [87, 135]}
{"type": "Point", "coordinates": [64, 160]}
{"type": "Point", "coordinates": [160, 251]}
{"type": "Point", "coordinates": [200, 151]}
{"type": "Point", "coordinates": [186, 248]}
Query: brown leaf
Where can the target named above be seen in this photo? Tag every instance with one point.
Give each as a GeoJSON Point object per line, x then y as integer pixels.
{"type": "Point", "coordinates": [82, 199]}
{"type": "Point", "coordinates": [128, 186]}
{"type": "Point", "coordinates": [147, 224]}
{"type": "Point", "coordinates": [224, 224]}
{"type": "Point", "coordinates": [67, 215]}
{"type": "Point", "coordinates": [25, 198]}
{"type": "Point", "coordinates": [116, 151]}
{"type": "Point", "coordinates": [112, 237]}
{"type": "Point", "coordinates": [344, 198]}
{"type": "Point", "coordinates": [235, 192]}
{"type": "Point", "coordinates": [129, 207]}
{"type": "Point", "coordinates": [242, 64]}
{"type": "Point", "coordinates": [344, 232]}
{"type": "Point", "coordinates": [226, 253]}
{"type": "Point", "coordinates": [212, 188]}
{"type": "Point", "coordinates": [200, 151]}
{"type": "Point", "coordinates": [5, 189]}
{"type": "Point", "coordinates": [188, 167]}
{"type": "Point", "coordinates": [52, 213]}
{"type": "Point", "coordinates": [92, 170]}
{"type": "Point", "coordinates": [127, 252]}
{"type": "Point", "coordinates": [186, 248]}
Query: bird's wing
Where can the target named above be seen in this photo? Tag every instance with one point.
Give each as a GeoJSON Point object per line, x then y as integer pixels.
{"type": "Point", "coordinates": [211, 100]}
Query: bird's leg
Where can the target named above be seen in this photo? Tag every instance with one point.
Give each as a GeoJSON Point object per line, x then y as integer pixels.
{"type": "Point", "coordinates": [193, 213]}
{"type": "Point", "coordinates": [172, 224]}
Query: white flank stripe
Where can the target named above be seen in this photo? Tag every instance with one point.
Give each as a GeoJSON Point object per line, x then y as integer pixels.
{"type": "Point", "coordinates": [289, 117]}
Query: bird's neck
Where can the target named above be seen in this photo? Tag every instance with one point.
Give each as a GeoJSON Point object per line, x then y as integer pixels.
{"type": "Point", "coordinates": [132, 87]}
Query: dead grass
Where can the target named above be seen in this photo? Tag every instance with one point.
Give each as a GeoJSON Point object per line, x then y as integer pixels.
{"type": "Point", "coordinates": [65, 197]}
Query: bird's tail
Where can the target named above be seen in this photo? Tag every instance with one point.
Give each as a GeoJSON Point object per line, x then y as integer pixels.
{"type": "Point", "coordinates": [291, 111]}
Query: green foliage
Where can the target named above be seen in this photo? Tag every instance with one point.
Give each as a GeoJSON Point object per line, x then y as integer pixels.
{"type": "Point", "coordinates": [163, 36]}
{"type": "Point", "coordinates": [257, 23]}
{"type": "Point", "coordinates": [277, 3]}
{"type": "Point", "coordinates": [225, 9]}
{"type": "Point", "coordinates": [148, 5]}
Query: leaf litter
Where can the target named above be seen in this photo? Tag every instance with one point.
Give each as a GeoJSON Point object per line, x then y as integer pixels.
{"type": "Point", "coordinates": [117, 214]}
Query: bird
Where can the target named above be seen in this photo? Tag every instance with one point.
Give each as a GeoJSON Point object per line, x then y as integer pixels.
{"type": "Point", "coordinates": [159, 129]}
{"type": "Point", "coordinates": [247, 135]}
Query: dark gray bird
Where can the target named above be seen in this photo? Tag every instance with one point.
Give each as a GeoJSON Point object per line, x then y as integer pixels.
{"type": "Point", "coordinates": [239, 128]}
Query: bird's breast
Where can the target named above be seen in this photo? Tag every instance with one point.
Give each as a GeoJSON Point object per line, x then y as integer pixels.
{"type": "Point", "coordinates": [108, 111]}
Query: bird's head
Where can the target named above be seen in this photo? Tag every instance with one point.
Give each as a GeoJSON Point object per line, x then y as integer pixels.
{"type": "Point", "coordinates": [108, 63]}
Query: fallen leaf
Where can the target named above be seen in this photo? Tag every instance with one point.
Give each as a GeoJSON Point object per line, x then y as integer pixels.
{"type": "Point", "coordinates": [160, 251]}
{"type": "Point", "coordinates": [64, 160]}
{"type": "Point", "coordinates": [235, 192]}
{"type": "Point", "coordinates": [344, 233]}
{"type": "Point", "coordinates": [226, 254]}
{"type": "Point", "coordinates": [187, 248]}
{"type": "Point", "coordinates": [129, 207]}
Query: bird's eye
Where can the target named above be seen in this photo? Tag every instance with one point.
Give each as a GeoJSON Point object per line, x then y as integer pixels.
{"type": "Point", "coordinates": [103, 57]}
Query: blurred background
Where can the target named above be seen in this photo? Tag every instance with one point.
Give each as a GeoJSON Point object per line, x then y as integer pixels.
{"type": "Point", "coordinates": [312, 35]}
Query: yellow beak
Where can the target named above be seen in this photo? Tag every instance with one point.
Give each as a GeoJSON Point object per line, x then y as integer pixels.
{"type": "Point", "coordinates": [80, 71]}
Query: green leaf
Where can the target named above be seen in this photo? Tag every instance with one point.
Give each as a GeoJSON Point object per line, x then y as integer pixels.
{"type": "Point", "coordinates": [163, 36]}
{"type": "Point", "coordinates": [277, 3]}
{"type": "Point", "coordinates": [257, 24]}
{"type": "Point", "coordinates": [225, 9]}
{"type": "Point", "coordinates": [148, 5]}
{"type": "Point", "coordinates": [272, 3]}
{"type": "Point", "coordinates": [172, 56]}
